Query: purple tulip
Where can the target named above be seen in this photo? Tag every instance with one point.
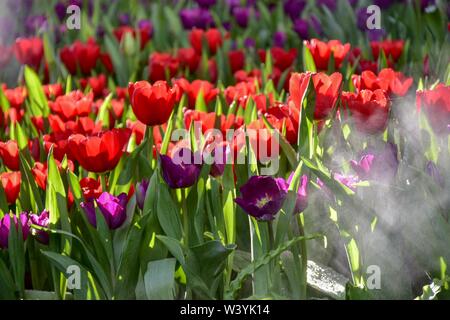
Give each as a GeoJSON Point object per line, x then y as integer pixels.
{"type": "Point", "coordinates": [182, 170]}
{"type": "Point", "coordinates": [5, 227]}
{"type": "Point", "coordinates": [60, 10]}
{"type": "Point", "coordinates": [347, 180]}
{"type": "Point", "coordinates": [35, 23]}
{"type": "Point", "coordinates": [220, 156]}
{"type": "Point", "coordinates": [205, 3]}
{"type": "Point", "coordinates": [241, 15]}
{"type": "Point", "coordinates": [315, 24]}
{"type": "Point", "coordinates": [141, 191]}
{"type": "Point", "coordinates": [302, 195]}
{"type": "Point", "coordinates": [433, 171]}
{"type": "Point", "coordinates": [279, 39]}
{"type": "Point", "coordinates": [42, 220]}
{"type": "Point", "coordinates": [294, 8]}
{"type": "Point", "coordinates": [353, 3]}
{"type": "Point", "coordinates": [113, 209]}
{"type": "Point", "coordinates": [249, 43]}
{"type": "Point", "coordinates": [361, 18]}
{"type": "Point", "coordinates": [263, 196]}
{"type": "Point", "coordinates": [146, 24]}
{"type": "Point", "coordinates": [124, 19]}
{"type": "Point", "coordinates": [383, 4]}
{"type": "Point", "coordinates": [380, 165]}
{"type": "Point", "coordinates": [196, 17]}
{"type": "Point", "coordinates": [301, 27]}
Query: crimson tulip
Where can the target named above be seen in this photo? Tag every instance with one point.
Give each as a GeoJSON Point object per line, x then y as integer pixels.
{"type": "Point", "coordinates": [75, 104]}
{"type": "Point", "coordinates": [212, 36]}
{"type": "Point", "coordinates": [436, 105]}
{"type": "Point", "coordinates": [327, 91]}
{"type": "Point", "coordinates": [11, 185]}
{"type": "Point", "coordinates": [100, 152]}
{"type": "Point", "coordinates": [322, 51]}
{"type": "Point", "coordinates": [152, 104]}
{"type": "Point", "coordinates": [9, 153]}
{"type": "Point", "coordinates": [82, 56]}
{"type": "Point", "coordinates": [29, 51]}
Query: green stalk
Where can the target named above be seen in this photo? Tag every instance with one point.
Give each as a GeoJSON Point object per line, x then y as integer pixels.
{"type": "Point", "coordinates": [304, 257]}
{"type": "Point", "coordinates": [185, 218]}
{"type": "Point", "coordinates": [103, 181]}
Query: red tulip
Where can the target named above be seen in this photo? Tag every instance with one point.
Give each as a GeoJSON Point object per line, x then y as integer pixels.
{"type": "Point", "coordinates": [192, 90]}
{"type": "Point", "coordinates": [9, 152]}
{"type": "Point", "coordinates": [152, 104]}
{"type": "Point", "coordinates": [387, 79]}
{"type": "Point", "coordinates": [53, 91]}
{"type": "Point", "coordinates": [369, 109]}
{"type": "Point", "coordinates": [144, 34]}
{"type": "Point", "coordinates": [80, 55]}
{"type": "Point", "coordinates": [101, 152]}
{"type": "Point", "coordinates": [91, 188]}
{"type": "Point", "coordinates": [282, 116]}
{"type": "Point", "coordinates": [29, 51]}
{"type": "Point", "coordinates": [11, 185]}
{"type": "Point", "coordinates": [75, 104]}
{"type": "Point", "coordinates": [392, 48]}
{"type": "Point", "coordinates": [98, 85]}
{"type": "Point", "coordinates": [40, 172]}
{"type": "Point", "coordinates": [16, 97]}
{"type": "Point", "coordinates": [322, 51]}
{"type": "Point", "coordinates": [188, 58]}
{"type": "Point", "coordinates": [236, 59]}
{"type": "Point", "coordinates": [162, 65]}
{"type": "Point", "coordinates": [239, 92]}
{"type": "Point", "coordinates": [212, 36]}
{"type": "Point", "coordinates": [281, 59]}
{"type": "Point", "coordinates": [327, 91]}
{"type": "Point", "coordinates": [298, 83]}
{"type": "Point", "coordinates": [436, 105]}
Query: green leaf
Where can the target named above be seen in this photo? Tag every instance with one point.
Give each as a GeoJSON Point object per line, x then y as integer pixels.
{"type": "Point", "coordinates": [308, 61]}
{"type": "Point", "coordinates": [159, 279]}
{"type": "Point", "coordinates": [168, 213]}
{"type": "Point", "coordinates": [35, 92]}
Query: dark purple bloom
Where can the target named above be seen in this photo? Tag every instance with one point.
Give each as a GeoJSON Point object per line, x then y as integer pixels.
{"type": "Point", "coordinates": [42, 220]}
{"type": "Point", "coordinates": [205, 3]}
{"type": "Point", "coordinates": [380, 165]}
{"type": "Point", "coordinates": [233, 4]}
{"type": "Point", "coordinates": [219, 155]}
{"type": "Point", "coordinates": [330, 4]}
{"type": "Point", "coordinates": [113, 209]}
{"type": "Point", "coordinates": [5, 227]}
{"type": "Point", "coordinates": [279, 39]}
{"type": "Point", "coordinates": [347, 180]}
{"type": "Point", "coordinates": [302, 194]}
{"type": "Point", "coordinates": [361, 18]}
{"type": "Point", "coordinates": [145, 24]}
{"type": "Point", "coordinates": [60, 10]}
{"type": "Point", "coordinates": [263, 196]}
{"type": "Point", "coordinates": [182, 170]}
{"type": "Point", "coordinates": [241, 15]}
{"type": "Point", "coordinates": [315, 23]}
{"type": "Point", "coordinates": [196, 17]}
{"type": "Point", "coordinates": [433, 171]}
{"type": "Point", "coordinates": [384, 4]}
{"type": "Point", "coordinates": [35, 23]}
{"type": "Point", "coordinates": [249, 43]}
{"type": "Point", "coordinates": [294, 8]}
{"type": "Point", "coordinates": [353, 2]}
{"type": "Point", "coordinates": [141, 191]}
{"type": "Point", "coordinates": [301, 27]}
{"type": "Point", "coordinates": [124, 19]}
{"type": "Point", "coordinates": [375, 34]}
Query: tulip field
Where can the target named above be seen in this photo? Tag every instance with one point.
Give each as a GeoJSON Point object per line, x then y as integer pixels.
{"type": "Point", "coordinates": [224, 149]}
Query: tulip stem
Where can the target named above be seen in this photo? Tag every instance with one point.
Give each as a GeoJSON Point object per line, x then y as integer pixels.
{"type": "Point", "coordinates": [304, 256]}
{"type": "Point", "coordinates": [103, 182]}
{"type": "Point", "coordinates": [185, 218]}
{"type": "Point", "coordinates": [271, 237]}
{"type": "Point", "coordinates": [150, 143]}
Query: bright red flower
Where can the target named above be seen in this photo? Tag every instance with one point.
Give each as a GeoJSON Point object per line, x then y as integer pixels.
{"type": "Point", "coordinates": [212, 70]}
{"type": "Point", "coordinates": [80, 55]}
{"type": "Point", "coordinates": [152, 104]}
{"type": "Point", "coordinates": [208, 121]}
{"type": "Point", "coordinates": [212, 36]}
{"type": "Point", "coordinates": [91, 188]}
{"type": "Point", "coordinates": [387, 79]}
{"type": "Point", "coordinates": [29, 51]}
{"type": "Point", "coordinates": [436, 105]}
{"type": "Point", "coordinates": [82, 125]}
{"type": "Point", "coordinates": [144, 34]}
{"type": "Point", "coordinates": [251, 76]}
{"type": "Point", "coordinates": [53, 91]}
{"type": "Point", "coordinates": [369, 110]}
{"type": "Point", "coordinates": [322, 51]}
{"type": "Point", "coordinates": [327, 91]}
{"type": "Point", "coordinates": [240, 92]}
{"type": "Point", "coordinates": [16, 97]}
{"type": "Point", "coordinates": [188, 58]}
{"type": "Point", "coordinates": [97, 84]}
{"type": "Point", "coordinates": [101, 152]}
{"type": "Point", "coordinates": [281, 59]}
{"type": "Point", "coordinates": [75, 104]}
{"type": "Point", "coordinates": [9, 153]}
{"type": "Point", "coordinates": [298, 83]}
{"type": "Point", "coordinates": [40, 172]}
{"type": "Point", "coordinates": [392, 48]}
{"type": "Point", "coordinates": [193, 89]}
{"type": "Point", "coordinates": [282, 116]}
{"type": "Point", "coordinates": [11, 185]}
{"type": "Point", "coordinates": [162, 65]}
{"type": "Point", "coordinates": [236, 58]}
